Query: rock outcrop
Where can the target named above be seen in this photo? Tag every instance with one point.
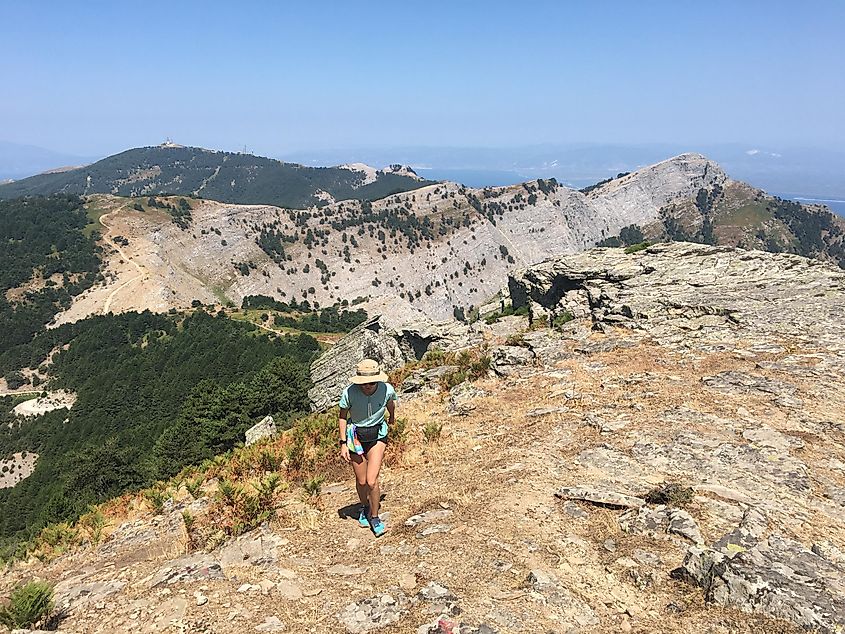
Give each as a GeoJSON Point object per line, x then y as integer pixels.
{"type": "Point", "coordinates": [677, 292]}
{"type": "Point", "coordinates": [266, 428]}
{"type": "Point", "coordinates": [776, 576]}
{"type": "Point", "coordinates": [388, 340]}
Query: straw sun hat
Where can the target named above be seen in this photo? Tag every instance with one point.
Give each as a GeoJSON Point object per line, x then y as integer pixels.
{"type": "Point", "coordinates": [367, 371]}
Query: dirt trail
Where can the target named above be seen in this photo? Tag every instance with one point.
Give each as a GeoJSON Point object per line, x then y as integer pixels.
{"type": "Point", "coordinates": [126, 258]}
{"type": "Point", "coordinates": [487, 485]}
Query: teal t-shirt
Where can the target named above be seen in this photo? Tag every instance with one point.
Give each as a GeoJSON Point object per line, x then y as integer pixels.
{"type": "Point", "coordinates": [368, 411]}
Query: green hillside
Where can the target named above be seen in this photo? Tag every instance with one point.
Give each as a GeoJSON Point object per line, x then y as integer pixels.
{"type": "Point", "coordinates": [155, 393]}
{"type": "Point", "coordinates": [224, 176]}
{"type": "Point", "coordinates": [45, 260]}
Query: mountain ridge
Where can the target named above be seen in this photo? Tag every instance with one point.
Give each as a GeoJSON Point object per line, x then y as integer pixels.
{"type": "Point", "coordinates": [220, 175]}
{"type": "Point", "coordinates": [441, 248]}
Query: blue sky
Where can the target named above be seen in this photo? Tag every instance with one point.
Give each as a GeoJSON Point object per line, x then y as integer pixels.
{"type": "Point", "coordinates": [96, 77]}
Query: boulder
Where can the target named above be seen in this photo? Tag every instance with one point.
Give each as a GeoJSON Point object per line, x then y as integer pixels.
{"type": "Point", "coordinates": [387, 340]}
{"type": "Point", "coordinates": [600, 496]}
{"type": "Point", "coordinates": [661, 519]}
{"type": "Point", "coordinates": [505, 359]}
{"type": "Point", "coordinates": [265, 429]}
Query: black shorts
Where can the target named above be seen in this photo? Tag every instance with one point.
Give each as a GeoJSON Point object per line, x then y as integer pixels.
{"type": "Point", "coordinates": [366, 446]}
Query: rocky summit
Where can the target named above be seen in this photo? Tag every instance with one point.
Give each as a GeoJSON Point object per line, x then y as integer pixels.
{"type": "Point", "coordinates": [659, 446]}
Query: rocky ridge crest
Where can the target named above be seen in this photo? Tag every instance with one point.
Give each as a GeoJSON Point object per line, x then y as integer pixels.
{"type": "Point", "coordinates": [685, 427]}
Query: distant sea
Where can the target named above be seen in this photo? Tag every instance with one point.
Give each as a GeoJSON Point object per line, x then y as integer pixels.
{"type": "Point", "coordinates": [493, 178]}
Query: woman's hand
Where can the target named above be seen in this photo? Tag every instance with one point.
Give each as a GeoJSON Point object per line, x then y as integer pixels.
{"type": "Point", "coordinates": [344, 453]}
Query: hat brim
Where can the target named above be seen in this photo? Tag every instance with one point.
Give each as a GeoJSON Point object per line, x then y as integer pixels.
{"type": "Point", "coordinates": [381, 377]}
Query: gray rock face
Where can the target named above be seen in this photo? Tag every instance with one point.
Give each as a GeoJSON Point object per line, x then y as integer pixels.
{"type": "Point", "coordinates": [732, 382]}
{"type": "Point", "coordinates": [461, 397]}
{"type": "Point", "coordinates": [548, 588]}
{"type": "Point", "coordinates": [194, 567]}
{"type": "Point", "coordinates": [72, 593]}
{"type": "Point", "coordinates": [678, 291]}
{"type": "Point", "coordinates": [777, 577]}
{"type": "Point", "coordinates": [659, 520]}
{"type": "Point", "coordinates": [387, 340]}
{"type": "Point", "coordinates": [600, 496]}
{"type": "Point", "coordinates": [425, 380]}
{"type": "Point", "coordinates": [265, 429]}
{"type": "Point", "coordinates": [505, 358]}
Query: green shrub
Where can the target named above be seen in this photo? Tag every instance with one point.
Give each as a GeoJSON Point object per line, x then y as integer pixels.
{"type": "Point", "coordinates": [194, 486]}
{"type": "Point", "coordinates": [637, 247]}
{"type": "Point", "coordinates": [313, 485]}
{"type": "Point", "coordinates": [671, 494]}
{"type": "Point", "coordinates": [93, 522]}
{"type": "Point", "coordinates": [268, 460]}
{"type": "Point", "coordinates": [397, 432]}
{"type": "Point", "coordinates": [542, 321]}
{"type": "Point", "coordinates": [560, 320]}
{"type": "Point", "coordinates": [156, 499]}
{"type": "Point", "coordinates": [432, 431]}
{"type": "Point", "coordinates": [516, 339]}
{"type": "Point", "coordinates": [28, 604]}
{"type": "Point", "coordinates": [189, 521]}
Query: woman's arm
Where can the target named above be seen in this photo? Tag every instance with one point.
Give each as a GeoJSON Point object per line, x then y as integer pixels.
{"type": "Point", "coordinates": [391, 412]}
{"type": "Point", "coordinates": [341, 425]}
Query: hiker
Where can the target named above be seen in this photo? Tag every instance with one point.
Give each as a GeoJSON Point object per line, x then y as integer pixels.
{"type": "Point", "coordinates": [363, 435]}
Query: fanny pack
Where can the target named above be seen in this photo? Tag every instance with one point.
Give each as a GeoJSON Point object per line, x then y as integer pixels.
{"type": "Point", "coordinates": [355, 436]}
{"type": "Point", "coordinates": [368, 434]}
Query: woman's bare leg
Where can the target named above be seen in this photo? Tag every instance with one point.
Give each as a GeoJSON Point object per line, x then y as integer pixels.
{"type": "Point", "coordinates": [359, 466]}
{"type": "Point", "coordinates": [373, 466]}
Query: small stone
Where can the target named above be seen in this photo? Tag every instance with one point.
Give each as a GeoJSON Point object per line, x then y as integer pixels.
{"type": "Point", "coordinates": [646, 558]}
{"type": "Point", "coordinates": [434, 591]}
{"type": "Point", "coordinates": [407, 581]}
{"type": "Point", "coordinates": [633, 611]}
{"type": "Point", "coordinates": [290, 590]}
{"type": "Point", "coordinates": [434, 529]}
{"type": "Point", "coordinates": [501, 566]}
{"type": "Point", "coordinates": [202, 599]}
{"type": "Point", "coordinates": [427, 517]}
{"type": "Point", "coordinates": [575, 511]}
{"type": "Point", "coordinates": [609, 545]}
{"type": "Point", "coordinates": [266, 585]}
{"type": "Point", "coordinates": [271, 624]}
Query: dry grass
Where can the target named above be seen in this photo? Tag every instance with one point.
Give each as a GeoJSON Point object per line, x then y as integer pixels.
{"type": "Point", "coordinates": [496, 470]}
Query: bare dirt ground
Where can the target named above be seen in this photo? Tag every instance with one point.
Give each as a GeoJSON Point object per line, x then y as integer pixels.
{"type": "Point", "coordinates": [139, 276]}
{"type": "Point", "coordinates": [16, 467]}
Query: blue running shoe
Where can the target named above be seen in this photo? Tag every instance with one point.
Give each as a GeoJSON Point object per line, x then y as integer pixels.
{"type": "Point", "coordinates": [363, 518]}
{"type": "Point", "coordinates": [378, 526]}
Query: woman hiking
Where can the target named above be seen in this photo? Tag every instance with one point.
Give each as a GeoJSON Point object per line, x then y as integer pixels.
{"type": "Point", "coordinates": [363, 435]}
